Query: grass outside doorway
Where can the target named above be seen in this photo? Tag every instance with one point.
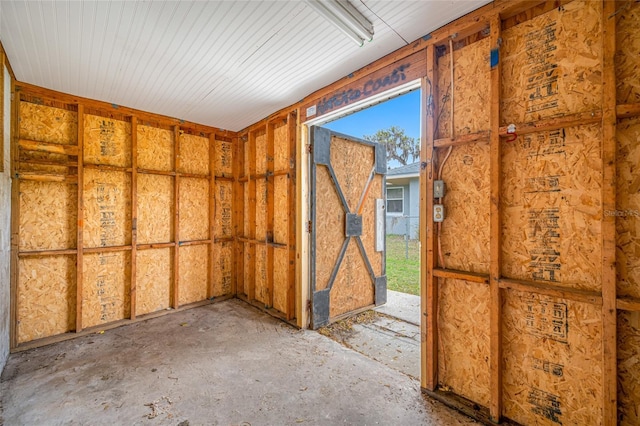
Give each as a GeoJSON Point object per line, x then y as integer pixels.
{"type": "Point", "coordinates": [403, 265]}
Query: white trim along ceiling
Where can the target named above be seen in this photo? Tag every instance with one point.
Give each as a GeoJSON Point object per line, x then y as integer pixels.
{"type": "Point", "coordinates": [225, 64]}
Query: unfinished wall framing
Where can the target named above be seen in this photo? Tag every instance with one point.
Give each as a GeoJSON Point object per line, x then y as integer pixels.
{"type": "Point", "coordinates": [267, 217]}
{"type": "Point", "coordinates": [121, 214]}
{"type": "Point", "coordinates": [522, 271]}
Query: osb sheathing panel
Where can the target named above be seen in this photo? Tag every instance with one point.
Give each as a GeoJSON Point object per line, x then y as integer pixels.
{"type": "Point", "coordinates": [46, 296]}
{"type": "Point", "coordinates": [353, 287]}
{"type": "Point", "coordinates": [194, 154]}
{"type": "Point", "coordinates": [463, 339]}
{"type": "Point", "coordinates": [107, 208]}
{"type": "Point", "coordinates": [552, 358]}
{"type": "Point", "coordinates": [223, 269]}
{"type": "Point", "coordinates": [368, 236]}
{"type": "Point", "coordinates": [194, 209]}
{"type": "Point", "coordinates": [465, 231]}
{"type": "Point", "coordinates": [106, 287]}
{"type": "Point", "coordinates": [471, 92]}
{"type": "Point", "coordinates": [260, 272]}
{"type": "Point", "coordinates": [551, 201]}
{"type": "Point", "coordinates": [155, 148]}
{"type": "Point", "coordinates": [281, 217]}
{"type": "Point", "coordinates": [223, 158]}
{"type": "Point", "coordinates": [48, 213]}
{"type": "Point", "coordinates": [627, 59]}
{"type": "Point", "coordinates": [628, 368]}
{"type": "Point", "coordinates": [261, 153]}
{"type": "Point", "coordinates": [628, 207]}
{"type": "Point", "coordinates": [153, 280]}
{"type": "Point", "coordinates": [155, 209]}
{"type": "Point", "coordinates": [551, 64]}
{"type": "Point", "coordinates": [107, 141]}
{"type": "Point", "coordinates": [223, 223]}
{"type": "Point", "coordinates": [281, 148]}
{"type": "Point", "coordinates": [280, 278]}
{"type": "Point", "coordinates": [261, 209]}
{"type": "Point", "coordinates": [48, 124]}
{"type": "Point", "coordinates": [329, 227]}
{"type": "Point", "coordinates": [193, 268]}
{"type": "Point", "coordinates": [352, 175]}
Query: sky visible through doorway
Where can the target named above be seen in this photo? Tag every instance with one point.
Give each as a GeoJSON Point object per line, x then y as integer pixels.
{"type": "Point", "coordinates": [402, 112]}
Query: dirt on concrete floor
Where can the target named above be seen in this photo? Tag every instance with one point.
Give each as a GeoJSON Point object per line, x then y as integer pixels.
{"type": "Point", "coordinates": [221, 364]}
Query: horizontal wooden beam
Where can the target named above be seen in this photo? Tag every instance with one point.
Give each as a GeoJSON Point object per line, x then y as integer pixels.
{"type": "Point", "coordinates": [63, 163]}
{"type": "Point", "coordinates": [107, 168]}
{"type": "Point", "coordinates": [628, 110]}
{"type": "Point", "coordinates": [555, 123]}
{"type": "Point", "coordinates": [474, 277]}
{"type": "Point", "coordinates": [54, 148]}
{"type": "Point", "coordinates": [46, 177]}
{"type": "Point", "coordinates": [194, 243]}
{"type": "Point", "coordinates": [154, 246]}
{"type": "Point", "coordinates": [156, 172]}
{"type": "Point", "coordinates": [482, 136]}
{"type": "Point", "coordinates": [628, 304]}
{"type": "Point", "coordinates": [58, 252]}
{"type": "Point", "coordinates": [552, 289]}
{"type": "Point", "coordinates": [106, 249]}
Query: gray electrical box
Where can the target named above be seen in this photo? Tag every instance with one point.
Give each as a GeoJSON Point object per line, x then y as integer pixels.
{"type": "Point", "coordinates": [438, 188]}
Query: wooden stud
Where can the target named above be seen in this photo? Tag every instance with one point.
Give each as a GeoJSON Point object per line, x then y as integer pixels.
{"type": "Point", "coordinates": [495, 361]}
{"type": "Point", "coordinates": [250, 267]}
{"type": "Point", "coordinates": [609, 313]}
{"type": "Point", "coordinates": [626, 111]}
{"type": "Point", "coordinates": [15, 216]}
{"type": "Point", "coordinates": [428, 255]}
{"type": "Point", "coordinates": [238, 208]}
{"type": "Point", "coordinates": [134, 214]}
{"type": "Point", "coordinates": [303, 299]}
{"type": "Point", "coordinates": [80, 219]}
{"type": "Point", "coordinates": [270, 182]}
{"type": "Point", "coordinates": [291, 221]}
{"type": "Point", "coordinates": [473, 277]}
{"type": "Point", "coordinates": [212, 212]}
{"type": "Point", "coordinates": [550, 289]}
{"type": "Point", "coordinates": [628, 304]}
{"type": "Point", "coordinates": [175, 301]}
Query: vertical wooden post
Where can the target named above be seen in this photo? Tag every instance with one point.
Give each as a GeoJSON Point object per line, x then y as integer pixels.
{"type": "Point", "coordinates": [270, 183]}
{"type": "Point", "coordinates": [238, 208]}
{"type": "Point", "coordinates": [291, 221]}
{"type": "Point", "coordinates": [175, 298]}
{"type": "Point", "coordinates": [609, 312]}
{"type": "Point", "coordinates": [251, 210]}
{"type": "Point", "coordinates": [134, 213]}
{"type": "Point", "coordinates": [212, 211]}
{"type": "Point", "coordinates": [15, 213]}
{"type": "Point", "coordinates": [80, 220]}
{"type": "Point", "coordinates": [495, 361]}
{"type": "Point", "coordinates": [428, 283]}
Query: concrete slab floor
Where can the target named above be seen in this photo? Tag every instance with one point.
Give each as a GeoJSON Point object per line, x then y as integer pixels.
{"type": "Point", "coordinates": [222, 364]}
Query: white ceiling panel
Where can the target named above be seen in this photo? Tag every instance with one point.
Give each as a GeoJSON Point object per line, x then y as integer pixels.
{"type": "Point", "coordinates": [222, 63]}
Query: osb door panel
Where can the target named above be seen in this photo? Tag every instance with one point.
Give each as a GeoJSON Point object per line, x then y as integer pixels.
{"type": "Point", "coordinates": [347, 272]}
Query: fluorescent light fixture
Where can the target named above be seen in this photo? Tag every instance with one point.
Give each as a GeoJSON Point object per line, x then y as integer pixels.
{"type": "Point", "coordinates": [346, 18]}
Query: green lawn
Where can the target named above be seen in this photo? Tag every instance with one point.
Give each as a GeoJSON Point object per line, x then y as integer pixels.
{"type": "Point", "coordinates": [403, 274]}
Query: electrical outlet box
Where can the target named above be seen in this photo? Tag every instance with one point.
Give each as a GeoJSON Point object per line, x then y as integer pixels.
{"type": "Point", "coordinates": [438, 212]}
{"type": "Point", "coordinates": [438, 188]}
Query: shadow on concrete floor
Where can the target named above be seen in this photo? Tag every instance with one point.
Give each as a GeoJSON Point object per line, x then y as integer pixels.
{"type": "Point", "coordinates": [221, 364]}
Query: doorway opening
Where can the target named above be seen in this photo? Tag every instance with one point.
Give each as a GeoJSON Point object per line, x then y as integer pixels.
{"type": "Point", "coordinates": [390, 333]}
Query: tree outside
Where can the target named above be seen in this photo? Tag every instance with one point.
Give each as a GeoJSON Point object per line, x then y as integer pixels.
{"type": "Point", "coordinates": [400, 147]}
